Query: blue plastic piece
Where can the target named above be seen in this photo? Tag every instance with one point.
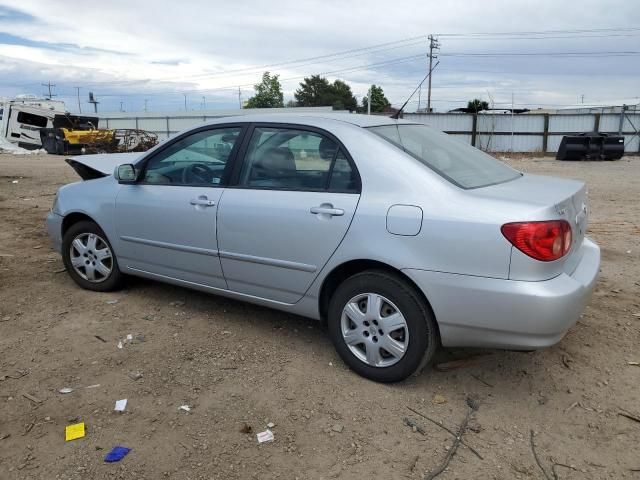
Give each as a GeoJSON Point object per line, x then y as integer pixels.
{"type": "Point", "coordinates": [116, 454]}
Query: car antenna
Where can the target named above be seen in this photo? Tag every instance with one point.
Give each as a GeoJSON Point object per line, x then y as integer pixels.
{"type": "Point", "coordinates": [397, 114]}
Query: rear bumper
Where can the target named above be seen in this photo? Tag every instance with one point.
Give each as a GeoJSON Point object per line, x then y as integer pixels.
{"type": "Point", "coordinates": [494, 313]}
{"type": "Point", "coordinates": [54, 228]}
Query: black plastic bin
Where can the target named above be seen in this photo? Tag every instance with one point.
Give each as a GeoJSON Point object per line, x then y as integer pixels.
{"type": "Point", "coordinates": [591, 146]}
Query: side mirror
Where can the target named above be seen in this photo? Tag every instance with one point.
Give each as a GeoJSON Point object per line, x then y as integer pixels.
{"type": "Point", "coordinates": [126, 173]}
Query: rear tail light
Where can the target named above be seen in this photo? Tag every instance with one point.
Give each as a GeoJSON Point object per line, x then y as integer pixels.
{"type": "Point", "coordinates": [544, 241]}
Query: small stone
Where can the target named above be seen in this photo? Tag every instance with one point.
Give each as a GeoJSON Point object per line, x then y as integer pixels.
{"type": "Point", "coordinates": [439, 399]}
{"type": "Point", "coordinates": [271, 425]}
{"type": "Point", "coordinates": [337, 428]}
{"type": "Point", "coordinates": [135, 375]}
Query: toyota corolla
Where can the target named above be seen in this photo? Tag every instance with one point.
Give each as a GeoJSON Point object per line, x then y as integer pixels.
{"type": "Point", "coordinates": [397, 236]}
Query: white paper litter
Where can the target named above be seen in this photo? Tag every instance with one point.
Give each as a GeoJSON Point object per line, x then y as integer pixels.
{"type": "Point", "coordinates": [121, 405]}
{"type": "Point", "coordinates": [14, 181]}
{"type": "Point", "coordinates": [111, 302]}
{"type": "Point", "coordinates": [186, 408]}
{"type": "Point", "coordinates": [266, 436]}
{"type": "Point", "coordinates": [66, 390]}
{"type": "Point", "coordinates": [120, 344]}
{"type": "Point", "coordinates": [129, 337]}
{"type": "Point", "coordinates": [93, 386]}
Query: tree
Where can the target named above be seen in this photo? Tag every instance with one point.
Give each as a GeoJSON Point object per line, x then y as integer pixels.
{"type": "Point", "coordinates": [268, 93]}
{"type": "Point", "coordinates": [378, 101]}
{"type": "Point", "coordinates": [316, 91]}
{"type": "Point", "coordinates": [476, 105]}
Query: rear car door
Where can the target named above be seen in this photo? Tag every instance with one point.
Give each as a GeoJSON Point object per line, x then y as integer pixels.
{"type": "Point", "coordinates": [166, 222]}
{"type": "Point", "coordinates": [294, 196]}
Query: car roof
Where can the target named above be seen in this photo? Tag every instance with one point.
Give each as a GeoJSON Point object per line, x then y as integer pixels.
{"type": "Point", "coordinates": [359, 120]}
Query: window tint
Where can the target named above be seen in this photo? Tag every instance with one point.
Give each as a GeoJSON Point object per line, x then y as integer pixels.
{"type": "Point", "coordinates": [458, 162]}
{"type": "Point", "coordinates": [31, 119]}
{"type": "Point", "coordinates": [288, 159]}
{"type": "Point", "coordinates": [199, 159]}
{"type": "Point", "coordinates": [343, 178]}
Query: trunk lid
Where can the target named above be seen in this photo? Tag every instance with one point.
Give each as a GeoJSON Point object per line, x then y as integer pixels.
{"type": "Point", "coordinates": [535, 198]}
{"type": "Point", "coordinates": [100, 165]}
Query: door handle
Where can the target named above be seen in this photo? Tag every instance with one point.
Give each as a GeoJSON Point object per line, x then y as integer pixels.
{"type": "Point", "coordinates": [327, 210]}
{"type": "Point", "coordinates": [202, 201]}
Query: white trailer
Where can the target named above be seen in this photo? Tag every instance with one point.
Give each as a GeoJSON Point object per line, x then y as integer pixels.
{"type": "Point", "coordinates": [22, 118]}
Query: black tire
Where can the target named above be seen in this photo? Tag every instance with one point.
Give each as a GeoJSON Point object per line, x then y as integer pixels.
{"type": "Point", "coordinates": [423, 338]}
{"type": "Point", "coordinates": [112, 281]}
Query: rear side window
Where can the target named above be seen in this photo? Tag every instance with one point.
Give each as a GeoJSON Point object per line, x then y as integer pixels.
{"type": "Point", "coordinates": [461, 164]}
{"type": "Point", "coordinates": [291, 159]}
{"type": "Point", "coordinates": [31, 119]}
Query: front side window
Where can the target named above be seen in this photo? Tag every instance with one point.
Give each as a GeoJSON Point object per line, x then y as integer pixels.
{"type": "Point", "coordinates": [290, 159]}
{"type": "Point", "coordinates": [198, 159]}
{"type": "Point", "coordinates": [460, 163]}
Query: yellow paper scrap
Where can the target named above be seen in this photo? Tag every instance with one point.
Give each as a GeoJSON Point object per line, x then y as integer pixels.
{"type": "Point", "coordinates": [72, 432]}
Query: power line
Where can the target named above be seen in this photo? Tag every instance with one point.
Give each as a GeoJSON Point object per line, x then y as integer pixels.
{"type": "Point", "coordinates": [49, 85]}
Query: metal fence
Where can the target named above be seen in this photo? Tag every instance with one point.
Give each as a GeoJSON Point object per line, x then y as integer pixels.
{"type": "Point", "coordinates": [530, 132]}
{"type": "Point", "coordinates": [491, 132]}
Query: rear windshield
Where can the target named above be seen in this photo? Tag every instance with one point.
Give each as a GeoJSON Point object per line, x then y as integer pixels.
{"type": "Point", "coordinates": [460, 163]}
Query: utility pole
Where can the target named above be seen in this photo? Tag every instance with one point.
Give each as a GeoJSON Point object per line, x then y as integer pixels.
{"type": "Point", "coordinates": [433, 45]}
{"type": "Point", "coordinates": [49, 85]}
{"type": "Point", "coordinates": [145, 104]}
{"type": "Point", "coordinates": [185, 101]}
{"type": "Point", "coordinates": [78, 92]}
{"type": "Point", "coordinates": [369, 102]}
{"type": "Point", "coordinates": [239, 98]}
{"type": "Point", "coordinates": [121, 109]}
{"type": "Point", "coordinates": [204, 102]}
{"type": "Point", "coordinates": [582, 98]}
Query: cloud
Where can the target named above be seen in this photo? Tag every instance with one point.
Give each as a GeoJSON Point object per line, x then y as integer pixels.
{"type": "Point", "coordinates": [162, 50]}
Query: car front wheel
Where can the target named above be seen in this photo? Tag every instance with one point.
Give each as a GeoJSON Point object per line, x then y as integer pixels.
{"type": "Point", "coordinates": [381, 327]}
{"type": "Point", "coordinates": [88, 257]}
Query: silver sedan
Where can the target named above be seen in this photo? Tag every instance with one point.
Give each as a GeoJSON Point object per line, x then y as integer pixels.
{"type": "Point", "coordinates": [396, 236]}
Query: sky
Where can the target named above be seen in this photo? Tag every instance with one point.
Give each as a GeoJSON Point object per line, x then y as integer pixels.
{"type": "Point", "coordinates": [203, 53]}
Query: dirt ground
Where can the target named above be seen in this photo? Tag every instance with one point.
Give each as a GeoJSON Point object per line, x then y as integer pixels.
{"type": "Point", "coordinates": [237, 364]}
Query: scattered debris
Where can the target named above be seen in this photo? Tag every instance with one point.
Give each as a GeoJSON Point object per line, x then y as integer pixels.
{"type": "Point", "coordinates": [271, 425]}
{"type": "Point", "coordinates": [636, 364]}
{"type": "Point", "coordinates": [14, 377]}
{"type": "Point", "coordinates": [135, 375]}
{"type": "Point", "coordinates": [62, 270]}
{"type": "Point", "coordinates": [14, 181]}
{"type": "Point", "coordinates": [439, 399]}
{"type": "Point", "coordinates": [567, 361]}
{"type": "Point", "coordinates": [484, 382]}
{"type": "Point", "coordinates": [246, 428]}
{"type": "Point", "coordinates": [472, 407]}
{"type": "Point", "coordinates": [116, 454]}
{"type": "Point", "coordinates": [121, 405]}
{"type": "Point", "coordinates": [266, 436]}
{"type": "Point", "coordinates": [73, 432]}
{"type": "Point", "coordinates": [413, 425]}
{"type": "Point", "coordinates": [100, 338]}
{"type": "Point", "coordinates": [471, 449]}
{"type": "Point", "coordinates": [186, 408]}
{"type": "Point", "coordinates": [535, 456]}
{"type": "Point", "coordinates": [65, 390]}
{"type": "Point", "coordinates": [629, 415]}
{"type": "Point", "coordinates": [571, 407]}
{"type": "Point", "coordinates": [5, 435]}
{"type": "Point", "coordinates": [463, 362]}
{"type": "Point", "coordinates": [31, 397]}
{"type": "Point", "coordinates": [111, 302]}
{"type": "Point", "coordinates": [93, 386]}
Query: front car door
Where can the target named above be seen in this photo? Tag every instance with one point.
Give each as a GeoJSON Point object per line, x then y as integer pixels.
{"type": "Point", "coordinates": [166, 222]}
{"type": "Point", "coordinates": [292, 203]}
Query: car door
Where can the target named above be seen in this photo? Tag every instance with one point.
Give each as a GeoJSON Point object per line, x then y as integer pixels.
{"type": "Point", "coordinates": [166, 222]}
{"type": "Point", "coordinates": [290, 206]}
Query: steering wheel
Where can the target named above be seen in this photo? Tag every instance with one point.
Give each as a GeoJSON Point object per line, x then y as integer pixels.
{"type": "Point", "coordinates": [197, 173]}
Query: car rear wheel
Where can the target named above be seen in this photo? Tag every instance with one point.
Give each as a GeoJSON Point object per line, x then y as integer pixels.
{"type": "Point", "coordinates": [88, 257]}
{"type": "Point", "coordinates": [381, 327]}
